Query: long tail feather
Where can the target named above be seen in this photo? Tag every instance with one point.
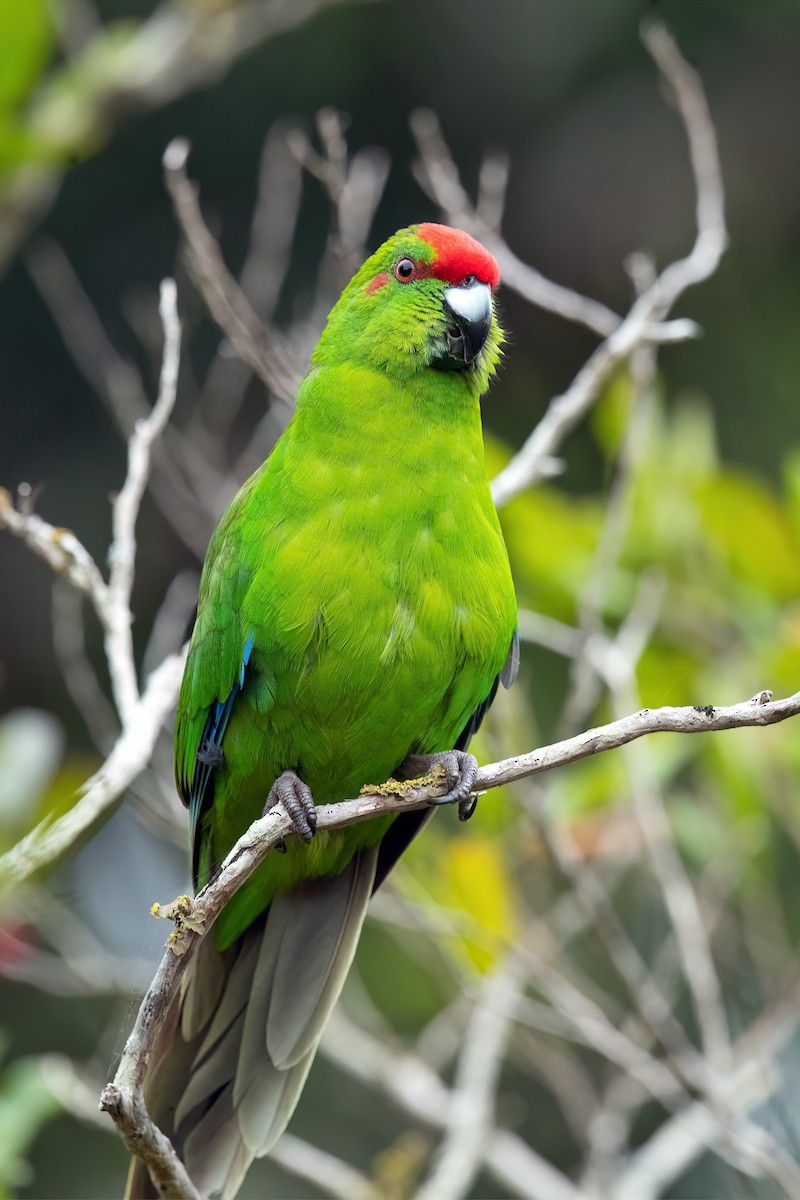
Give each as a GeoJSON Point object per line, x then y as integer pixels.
{"type": "Point", "coordinates": [241, 1043]}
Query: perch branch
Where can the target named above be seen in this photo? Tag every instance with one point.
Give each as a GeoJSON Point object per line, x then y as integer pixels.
{"type": "Point", "coordinates": [195, 917]}
{"type": "Point", "coordinates": [146, 1141]}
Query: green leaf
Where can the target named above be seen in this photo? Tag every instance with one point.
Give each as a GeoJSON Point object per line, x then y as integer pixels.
{"type": "Point", "coordinates": [25, 1104]}
{"type": "Point", "coordinates": [611, 414]}
{"type": "Point", "coordinates": [26, 38]}
{"type": "Point", "coordinates": [757, 538]}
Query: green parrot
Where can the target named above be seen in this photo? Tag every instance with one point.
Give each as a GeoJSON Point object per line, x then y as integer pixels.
{"type": "Point", "coordinates": [356, 614]}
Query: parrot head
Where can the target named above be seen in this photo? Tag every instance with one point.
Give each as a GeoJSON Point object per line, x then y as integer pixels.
{"type": "Point", "coordinates": [423, 302]}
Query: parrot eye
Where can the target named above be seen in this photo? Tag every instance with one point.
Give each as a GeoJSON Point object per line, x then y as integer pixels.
{"type": "Point", "coordinates": [405, 270]}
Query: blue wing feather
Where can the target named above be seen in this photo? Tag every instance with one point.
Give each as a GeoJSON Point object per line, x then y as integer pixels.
{"type": "Point", "coordinates": [210, 756]}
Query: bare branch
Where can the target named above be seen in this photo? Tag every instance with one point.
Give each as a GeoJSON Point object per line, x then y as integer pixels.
{"type": "Point", "coordinates": [51, 840]}
{"type": "Point", "coordinates": [333, 1176]}
{"type": "Point", "coordinates": [438, 175]}
{"type": "Point", "coordinates": [146, 1141]}
{"type": "Point", "coordinates": [263, 350]}
{"type": "Point", "coordinates": [470, 1114]}
{"type": "Point", "coordinates": [125, 511]}
{"type": "Point", "coordinates": [697, 719]}
{"type": "Point", "coordinates": [566, 410]}
{"type": "Point", "coordinates": [59, 548]}
{"type": "Point", "coordinates": [198, 915]}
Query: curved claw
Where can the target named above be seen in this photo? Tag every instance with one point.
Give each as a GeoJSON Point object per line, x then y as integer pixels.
{"type": "Point", "coordinates": [461, 771]}
{"type": "Point", "coordinates": [295, 796]}
{"type": "Point", "coordinates": [467, 806]}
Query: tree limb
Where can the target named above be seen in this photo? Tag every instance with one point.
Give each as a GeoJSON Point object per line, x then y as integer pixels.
{"type": "Point", "coordinates": [532, 461]}
{"type": "Point", "coordinates": [262, 349]}
{"type": "Point", "coordinates": [117, 617]}
{"type": "Point", "coordinates": [50, 840]}
{"type": "Point", "coordinates": [124, 1098]}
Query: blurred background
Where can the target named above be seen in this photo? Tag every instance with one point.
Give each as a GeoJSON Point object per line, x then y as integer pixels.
{"type": "Point", "coordinates": [554, 886]}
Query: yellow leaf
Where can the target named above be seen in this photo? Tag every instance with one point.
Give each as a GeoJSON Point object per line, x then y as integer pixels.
{"type": "Point", "coordinates": [476, 883]}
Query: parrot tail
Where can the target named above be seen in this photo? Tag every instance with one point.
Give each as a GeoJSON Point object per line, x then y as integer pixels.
{"type": "Point", "coordinates": [239, 1043]}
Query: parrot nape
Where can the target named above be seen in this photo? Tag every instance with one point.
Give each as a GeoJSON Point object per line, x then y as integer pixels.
{"type": "Point", "coordinates": [356, 614]}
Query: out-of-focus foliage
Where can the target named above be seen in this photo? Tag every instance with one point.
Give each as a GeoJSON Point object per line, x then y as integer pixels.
{"type": "Point", "coordinates": [25, 1103]}
{"type": "Point", "coordinates": [26, 38]}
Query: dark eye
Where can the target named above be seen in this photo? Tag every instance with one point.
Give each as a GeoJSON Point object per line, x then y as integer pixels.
{"type": "Point", "coordinates": [406, 269]}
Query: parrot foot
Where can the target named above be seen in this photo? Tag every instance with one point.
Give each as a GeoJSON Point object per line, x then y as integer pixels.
{"type": "Point", "coordinates": [210, 755]}
{"type": "Point", "coordinates": [461, 771]}
{"type": "Point", "coordinates": [295, 796]}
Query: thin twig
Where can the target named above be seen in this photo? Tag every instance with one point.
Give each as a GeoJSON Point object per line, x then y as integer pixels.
{"type": "Point", "coordinates": [438, 175]}
{"type": "Point", "coordinates": [413, 1084]}
{"type": "Point", "coordinates": [50, 840]}
{"type": "Point", "coordinates": [470, 1114]}
{"type": "Point", "coordinates": [330, 1174]}
{"type": "Point", "coordinates": [566, 410]}
{"type": "Point", "coordinates": [264, 350]}
{"type": "Point", "coordinates": [125, 513]}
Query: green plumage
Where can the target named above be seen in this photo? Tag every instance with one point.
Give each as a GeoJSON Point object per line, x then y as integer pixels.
{"type": "Point", "coordinates": [365, 561]}
{"type": "Point", "coordinates": [364, 569]}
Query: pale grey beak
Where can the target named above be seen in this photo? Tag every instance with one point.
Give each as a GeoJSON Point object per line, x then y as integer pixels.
{"type": "Point", "coordinates": [470, 306]}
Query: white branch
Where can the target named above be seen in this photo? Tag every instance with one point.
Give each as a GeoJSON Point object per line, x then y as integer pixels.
{"type": "Point", "coordinates": [470, 1113]}
{"type": "Point", "coordinates": [566, 410]}
{"type": "Point", "coordinates": [67, 555]}
{"type": "Point", "coordinates": [51, 840]}
{"type": "Point", "coordinates": [418, 1090]}
{"type": "Point", "coordinates": [125, 512]}
{"type": "Point", "coordinates": [331, 1174]}
{"type": "Point", "coordinates": [438, 176]}
{"type": "Point", "coordinates": [63, 552]}
{"type": "Point", "coordinates": [195, 917]}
